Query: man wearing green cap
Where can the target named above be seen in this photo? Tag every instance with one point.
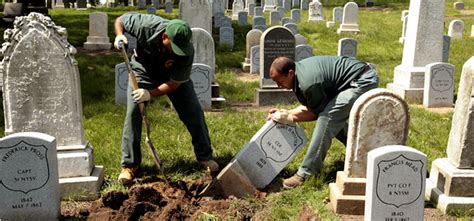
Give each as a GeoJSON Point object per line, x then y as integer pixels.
{"type": "Point", "coordinates": [162, 64]}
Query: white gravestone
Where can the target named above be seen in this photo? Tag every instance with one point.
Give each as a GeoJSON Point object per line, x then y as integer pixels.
{"type": "Point", "coordinates": [98, 38]}
{"type": "Point", "coordinates": [269, 5]}
{"type": "Point", "coordinates": [226, 37]}
{"type": "Point", "coordinates": [303, 51]}
{"type": "Point", "coordinates": [450, 185]}
{"type": "Point", "coordinates": [261, 159]}
{"type": "Point", "coordinates": [336, 16]}
{"type": "Point", "coordinates": [446, 46]}
{"type": "Point", "coordinates": [29, 185]}
{"type": "Point", "coordinates": [395, 184]}
{"type": "Point", "coordinates": [439, 85]}
{"type": "Point", "coordinates": [423, 45]}
{"type": "Point", "coordinates": [378, 118]}
{"type": "Point", "coordinates": [315, 13]}
{"type": "Point", "coordinates": [296, 15]}
{"type": "Point", "coordinates": [347, 47]}
{"type": "Point", "coordinates": [275, 18]}
{"type": "Point", "coordinates": [121, 83]}
{"type": "Point", "coordinates": [252, 38]}
{"type": "Point", "coordinates": [168, 7]}
{"type": "Point", "coordinates": [255, 59]}
{"type": "Point", "coordinates": [350, 18]}
{"type": "Point", "coordinates": [201, 76]}
{"type": "Point", "coordinates": [197, 13]}
{"type": "Point", "coordinates": [204, 48]}
{"type": "Point", "coordinates": [247, 5]}
{"type": "Point", "coordinates": [42, 94]}
{"type": "Point", "coordinates": [237, 6]}
{"type": "Point", "coordinates": [251, 9]}
{"type": "Point", "coordinates": [242, 18]}
{"type": "Point", "coordinates": [456, 28]}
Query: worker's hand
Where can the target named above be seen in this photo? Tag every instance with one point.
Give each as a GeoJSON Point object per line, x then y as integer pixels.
{"type": "Point", "coordinates": [120, 41]}
{"type": "Point", "coordinates": [270, 113]}
{"type": "Point", "coordinates": [141, 95]}
{"type": "Point", "coordinates": [283, 116]}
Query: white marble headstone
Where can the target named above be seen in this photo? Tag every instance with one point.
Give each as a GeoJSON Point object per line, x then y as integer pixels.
{"type": "Point", "coordinates": [237, 6]}
{"type": "Point", "coordinates": [204, 48]}
{"type": "Point", "coordinates": [456, 28]}
{"type": "Point", "coordinates": [347, 47]}
{"type": "Point", "coordinates": [315, 13]}
{"type": "Point", "coordinates": [242, 18]}
{"type": "Point", "coordinates": [252, 38]}
{"type": "Point", "coordinates": [439, 85]}
{"type": "Point", "coordinates": [197, 13]}
{"type": "Point", "coordinates": [121, 83]}
{"type": "Point", "coordinates": [98, 38]}
{"type": "Point", "coordinates": [226, 37]}
{"type": "Point", "coordinates": [350, 18]}
{"type": "Point", "coordinates": [458, 5]}
{"type": "Point", "coordinates": [255, 59]}
{"type": "Point", "coordinates": [201, 76]}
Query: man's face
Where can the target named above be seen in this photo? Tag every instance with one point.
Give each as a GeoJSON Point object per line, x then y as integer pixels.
{"type": "Point", "coordinates": [167, 43]}
{"type": "Point", "coordinates": [283, 81]}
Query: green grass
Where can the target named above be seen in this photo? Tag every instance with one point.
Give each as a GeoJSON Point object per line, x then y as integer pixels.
{"type": "Point", "coordinates": [233, 127]}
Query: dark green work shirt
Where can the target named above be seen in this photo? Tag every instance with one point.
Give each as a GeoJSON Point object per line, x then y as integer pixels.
{"type": "Point", "coordinates": [320, 78]}
{"type": "Point", "coordinates": [151, 56]}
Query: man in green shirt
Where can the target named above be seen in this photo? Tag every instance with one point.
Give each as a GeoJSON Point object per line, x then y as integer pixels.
{"type": "Point", "coordinates": [162, 64]}
{"type": "Point", "coordinates": [327, 87]}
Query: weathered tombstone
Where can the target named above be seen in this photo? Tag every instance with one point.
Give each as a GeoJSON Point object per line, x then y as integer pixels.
{"type": "Point", "coordinates": [197, 13]}
{"type": "Point", "coordinates": [141, 4]}
{"type": "Point", "coordinates": [204, 52]}
{"type": "Point", "coordinates": [258, 20]}
{"type": "Point", "coordinates": [201, 75]}
{"type": "Point", "coordinates": [226, 22]}
{"type": "Point", "coordinates": [449, 186]}
{"type": "Point", "coordinates": [456, 28]}
{"type": "Point", "coordinates": [293, 27]}
{"type": "Point", "coordinates": [251, 9]}
{"type": "Point", "coordinates": [237, 6]}
{"type": "Point", "coordinates": [269, 5]}
{"type": "Point", "coordinates": [315, 13]}
{"type": "Point", "coordinates": [378, 118]}
{"type": "Point", "coordinates": [347, 47]}
{"type": "Point", "coordinates": [252, 39]}
{"type": "Point", "coordinates": [300, 39]}
{"type": "Point", "coordinates": [261, 160]}
{"type": "Point", "coordinates": [304, 5]}
{"type": "Point", "coordinates": [121, 83]}
{"type": "Point", "coordinates": [258, 11]}
{"type": "Point", "coordinates": [98, 38]}
{"type": "Point", "coordinates": [296, 15]}
{"type": "Point", "coordinates": [439, 85]}
{"type": "Point", "coordinates": [275, 42]}
{"type": "Point", "coordinates": [446, 46]}
{"type": "Point", "coordinates": [226, 37]}
{"type": "Point", "coordinates": [255, 59]}
{"type": "Point", "coordinates": [349, 18]}
{"type": "Point", "coordinates": [218, 6]}
{"type": "Point", "coordinates": [303, 51]}
{"type": "Point", "coordinates": [395, 184]}
{"type": "Point", "coordinates": [286, 20]}
{"type": "Point", "coordinates": [337, 13]}
{"type": "Point", "coordinates": [423, 45]}
{"type": "Point", "coordinates": [218, 18]}
{"type": "Point", "coordinates": [275, 18]}
{"type": "Point", "coordinates": [151, 10]}
{"type": "Point", "coordinates": [242, 18]}
{"type": "Point", "coordinates": [280, 10]}
{"type": "Point", "coordinates": [296, 3]}
{"type": "Point", "coordinates": [459, 5]}
{"type": "Point", "coordinates": [157, 4]}
{"type": "Point", "coordinates": [247, 5]}
{"type": "Point", "coordinates": [168, 7]}
{"type": "Point", "coordinates": [404, 30]}
{"type": "Point", "coordinates": [42, 94]}
{"type": "Point", "coordinates": [29, 185]}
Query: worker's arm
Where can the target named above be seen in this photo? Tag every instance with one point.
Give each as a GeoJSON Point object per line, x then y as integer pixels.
{"type": "Point", "coordinates": [165, 88]}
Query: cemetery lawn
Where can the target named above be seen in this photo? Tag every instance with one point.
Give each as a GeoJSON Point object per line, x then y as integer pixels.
{"type": "Point", "coordinates": [233, 124]}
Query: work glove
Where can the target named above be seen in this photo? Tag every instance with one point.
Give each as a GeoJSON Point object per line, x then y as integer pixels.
{"type": "Point", "coordinates": [120, 41]}
{"type": "Point", "coordinates": [283, 116]}
{"type": "Point", "coordinates": [141, 95]}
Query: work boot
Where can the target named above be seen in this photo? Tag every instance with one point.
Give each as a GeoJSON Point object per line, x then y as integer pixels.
{"type": "Point", "coordinates": [293, 182]}
{"type": "Point", "coordinates": [210, 165]}
{"type": "Point", "coordinates": [127, 175]}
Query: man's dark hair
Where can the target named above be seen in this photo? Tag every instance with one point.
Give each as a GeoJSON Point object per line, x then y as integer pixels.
{"type": "Point", "coordinates": [282, 65]}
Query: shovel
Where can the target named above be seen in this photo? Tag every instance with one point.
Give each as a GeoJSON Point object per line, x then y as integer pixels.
{"type": "Point", "coordinates": [133, 82]}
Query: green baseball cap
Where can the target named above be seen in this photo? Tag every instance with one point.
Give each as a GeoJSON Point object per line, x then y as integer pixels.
{"type": "Point", "coordinates": [180, 35]}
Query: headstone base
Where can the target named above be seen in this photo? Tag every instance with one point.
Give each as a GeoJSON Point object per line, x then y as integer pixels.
{"type": "Point", "coordinates": [347, 195]}
{"type": "Point", "coordinates": [232, 181]}
{"type": "Point", "coordinates": [449, 187]}
{"type": "Point", "coordinates": [316, 19]}
{"type": "Point", "coordinates": [245, 67]}
{"type": "Point", "coordinates": [413, 95]}
{"type": "Point", "coordinates": [354, 28]}
{"type": "Point", "coordinates": [75, 163]}
{"type": "Point", "coordinates": [82, 188]}
{"type": "Point", "coordinates": [269, 8]}
{"type": "Point", "coordinates": [96, 46]}
{"type": "Point", "coordinates": [267, 97]}
{"type": "Point", "coordinates": [330, 24]}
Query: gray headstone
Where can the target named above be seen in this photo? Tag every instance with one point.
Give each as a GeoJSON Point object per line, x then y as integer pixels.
{"type": "Point", "coordinates": [456, 28]}
{"type": "Point", "coordinates": [275, 18]}
{"type": "Point", "coordinates": [251, 9]}
{"type": "Point", "coordinates": [121, 83]}
{"type": "Point", "coordinates": [286, 20]}
{"type": "Point", "coordinates": [141, 4]}
{"type": "Point", "coordinates": [269, 5]}
{"type": "Point", "coordinates": [459, 5]}
{"type": "Point", "coordinates": [287, 5]}
{"type": "Point", "coordinates": [30, 182]}
{"type": "Point", "coordinates": [296, 15]}
{"type": "Point", "coordinates": [226, 22]}
{"type": "Point", "coordinates": [247, 5]}
{"type": "Point", "coordinates": [204, 48]}
{"type": "Point", "coordinates": [201, 75]}
{"type": "Point", "coordinates": [218, 19]}
{"type": "Point", "coordinates": [293, 27]}
{"type": "Point", "coordinates": [349, 18]}
{"type": "Point", "coordinates": [300, 39]}
{"type": "Point", "coordinates": [337, 13]}
{"type": "Point", "coordinates": [303, 51]}
{"type": "Point", "coordinates": [395, 184]}
{"type": "Point", "coordinates": [81, 4]}
{"type": "Point", "coordinates": [255, 59]}
{"type": "Point", "coordinates": [258, 11]}
{"type": "Point", "coordinates": [315, 13]}
{"type": "Point", "coordinates": [446, 46]}
{"type": "Point", "coordinates": [258, 20]}
{"type": "Point", "coordinates": [218, 6]}
{"type": "Point", "coordinates": [296, 3]}
{"type": "Point", "coordinates": [157, 4]}
{"type": "Point", "coordinates": [151, 10]}
{"type": "Point", "coordinates": [439, 85]}
{"type": "Point", "coordinates": [98, 38]}
{"type": "Point", "coordinates": [304, 5]}
{"type": "Point", "coordinates": [280, 10]}
{"type": "Point", "coordinates": [275, 42]}
{"type": "Point", "coordinates": [347, 47]}
{"type": "Point", "coordinates": [260, 27]}
{"type": "Point", "coordinates": [197, 13]}
{"type": "Point", "coordinates": [242, 18]}
{"type": "Point", "coordinates": [168, 7]}
{"type": "Point", "coordinates": [279, 3]}
{"type": "Point", "coordinates": [226, 37]}
{"type": "Point", "coordinates": [252, 39]}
